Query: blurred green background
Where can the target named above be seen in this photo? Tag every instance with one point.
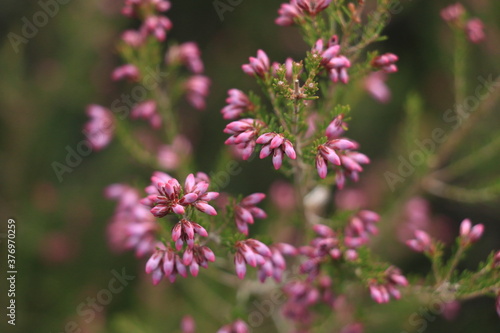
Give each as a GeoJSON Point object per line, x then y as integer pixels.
{"type": "Point", "coordinates": [62, 253]}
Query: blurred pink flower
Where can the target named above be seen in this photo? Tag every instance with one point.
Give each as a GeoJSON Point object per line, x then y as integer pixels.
{"type": "Point", "coordinates": [128, 71]}
{"type": "Point", "coordinates": [386, 62]}
{"type": "Point", "coordinates": [238, 103]}
{"type": "Point", "coordinates": [239, 326]}
{"type": "Point", "coordinates": [376, 87]}
{"type": "Point", "coordinates": [147, 110]}
{"type": "Point", "coordinates": [453, 12]}
{"type": "Point", "coordinates": [475, 30]}
{"type": "Point", "coordinates": [251, 252]}
{"type": "Point", "coordinates": [156, 26]}
{"type": "Point", "coordinates": [197, 89]}
{"type": "Point", "coordinates": [288, 12]}
{"type": "Point", "coordinates": [282, 194]}
{"type": "Point", "coordinates": [171, 156]}
{"type": "Point", "coordinates": [100, 128]}
{"type": "Point", "coordinates": [188, 54]}
{"type": "Point", "coordinates": [188, 324]}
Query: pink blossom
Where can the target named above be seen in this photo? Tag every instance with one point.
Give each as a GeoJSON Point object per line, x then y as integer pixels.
{"type": "Point", "coordinates": [132, 226]}
{"type": "Point", "coordinates": [381, 293]}
{"type": "Point", "coordinates": [376, 87]}
{"type": "Point", "coordinates": [452, 12]}
{"type": "Point", "coordinates": [157, 26]}
{"type": "Point", "coordinates": [421, 243]}
{"type": "Point", "coordinates": [258, 66]}
{"type": "Point", "coordinates": [184, 231]}
{"type": "Point", "coordinates": [187, 54]}
{"type": "Point", "coordinates": [165, 195]}
{"type": "Point", "coordinates": [386, 62]}
{"type": "Point", "coordinates": [133, 38]}
{"type": "Point", "coordinates": [336, 128]}
{"type": "Point", "coordinates": [339, 153]}
{"type": "Point", "coordinates": [147, 110]}
{"type": "Point", "coordinates": [360, 227]}
{"type": "Point", "coordinates": [196, 257]}
{"type": "Point", "coordinates": [277, 145]}
{"type": "Point", "coordinates": [276, 264]}
{"type": "Point", "coordinates": [470, 234]}
{"type": "Point", "coordinates": [302, 296]}
{"type": "Point", "coordinates": [170, 156]}
{"type": "Point", "coordinates": [332, 50]}
{"type": "Point", "coordinates": [243, 135]}
{"type": "Point", "coordinates": [239, 326]}
{"type": "Point", "coordinates": [245, 212]}
{"type": "Point", "coordinates": [313, 7]}
{"type": "Point", "coordinates": [238, 103]}
{"type": "Point", "coordinates": [197, 89]}
{"type": "Point", "coordinates": [128, 71]}
{"type": "Point", "coordinates": [164, 262]}
{"type": "Point", "coordinates": [251, 252]}
{"type": "Point", "coordinates": [475, 30]}
{"type": "Point", "coordinates": [288, 13]}
{"type": "Point", "coordinates": [282, 195]}
{"type": "Point", "coordinates": [100, 128]}
{"type": "Point", "coordinates": [188, 324]}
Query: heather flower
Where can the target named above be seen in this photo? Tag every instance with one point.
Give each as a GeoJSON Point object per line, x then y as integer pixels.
{"type": "Point", "coordinates": [132, 226]}
{"type": "Point", "coordinates": [332, 51]}
{"type": "Point", "coordinates": [197, 256]}
{"type": "Point", "coordinates": [452, 12]}
{"type": "Point", "coordinates": [170, 156]}
{"type": "Point", "coordinates": [282, 195]}
{"type": "Point", "coordinates": [277, 145]}
{"type": "Point", "coordinates": [157, 26]}
{"type": "Point", "coordinates": [276, 264]}
{"type": "Point", "coordinates": [302, 295]}
{"type": "Point", "coordinates": [258, 66]}
{"type": "Point", "coordinates": [239, 326]}
{"type": "Point", "coordinates": [165, 195]}
{"type": "Point", "coordinates": [238, 103]}
{"type": "Point", "coordinates": [164, 262]}
{"type": "Point", "coordinates": [386, 62]}
{"type": "Point", "coordinates": [381, 293]}
{"type": "Point", "coordinates": [133, 38]}
{"type": "Point", "coordinates": [288, 12]}
{"type": "Point", "coordinates": [147, 110]}
{"type": "Point", "coordinates": [245, 212]}
{"type": "Point", "coordinates": [188, 324]}
{"type": "Point", "coordinates": [187, 54]}
{"type": "Point", "coordinates": [469, 234]}
{"type": "Point", "coordinates": [100, 128]}
{"type": "Point", "coordinates": [376, 87]}
{"type": "Point", "coordinates": [338, 152]}
{"type": "Point", "coordinates": [128, 71]}
{"type": "Point", "coordinates": [313, 7]}
{"type": "Point", "coordinates": [197, 88]}
{"type": "Point", "coordinates": [243, 135]}
{"type": "Point", "coordinates": [336, 128]}
{"type": "Point", "coordinates": [360, 227]}
{"type": "Point", "coordinates": [184, 231]}
{"type": "Point", "coordinates": [475, 30]}
{"type": "Point", "coordinates": [251, 252]}
{"type": "Point", "coordinates": [421, 243]}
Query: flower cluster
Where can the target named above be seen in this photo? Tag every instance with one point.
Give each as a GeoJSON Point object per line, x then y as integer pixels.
{"type": "Point", "coordinates": [167, 196]}
{"type": "Point", "coordinates": [101, 126]}
{"type": "Point", "coordinates": [239, 326]}
{"type": "Point", "coordinates": [245, 212]}
{"type": "Point", "coordinates": [456, 16]}
{"type": "Point", "coordinates": [251, 252]}
{"type": "Point", "coordinates": [339, 152]}
{"type": "Point", "coordinates": [382, 292]}
{"type": "Point", "coordinates": [295, 10]}
{"type": "Point", "coordinates": [276, 145]}
{"type": "Point", "coordinates": [238, 104]}
{"type": "Point", "coordinates": [244, 134]}
{"type": "Point", "coordinates": [275, 265]}
{"type": "Point", "coordinates": [132, 226]}
{"type": "Point", "coordinates": [335, 64]}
